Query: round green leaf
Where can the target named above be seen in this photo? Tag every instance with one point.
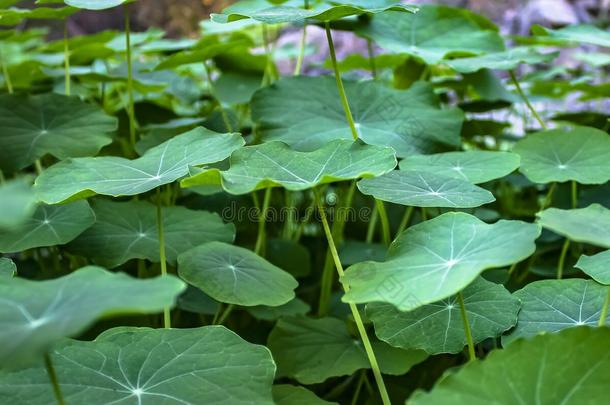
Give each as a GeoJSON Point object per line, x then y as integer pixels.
{"type": "Point", "coordinates": [17, 203]}
{"type": "Point", "coordinates": [505, 60]}
{"type": "Point", "coordinates": [128, 230]}
{"type": "Point", "coordinates": [586, 225]}
{"type": "Point", "coordinates": [95, 4]}
{"type": "Point", "coordinates": [51, 225]}
{"type": "Point", "coordinates": [7, 268]}
{"type": "Point", "coordinates": [434, 33]}
{"type": "Point", "coordinates": [34, 126]}
{"type": "Point", "coordinates": [117, 176]}
{"type": "Point", "coordinates": [438, 258]}
{"type": "Point", "coordinates": [235, 275]}
{"type": "Point", "coordinates": [475, 166]}
{"type": "Point", "coordinates": [306, 113]}
{"type": "Point", "coordinates": [308, 350]}
{"type": "Point", "coordinates": [286, 394]}
{"type": "Point", "coordinates": [36, 314]}
{"type": "Point", "coordinates": [579, 154]}
{"type": "Point", "coordinates": [596, 266]}
{"type": "Point", "coordinates": [529, 372]}
{"type": "Point", "coordinates": [425, 189]}
{"type": "Point", "coordinates": [576, 34]}
{"type": "Point", "coordinates": [438, 327]}
{"type": "Point", "coordinates": [553, 305]}
{"type": "Point", "coordinates": [275, 164]}
{"type": "Point", "coordinates": [208, 365]}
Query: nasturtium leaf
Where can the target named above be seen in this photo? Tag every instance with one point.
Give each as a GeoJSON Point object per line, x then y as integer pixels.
{"type": "Point", "coordinates": [579, 154]}
{"type": "Point", "coordinates": [17, 203]}
{"type": "Point", "coordinates": [117, 176]}
{"type": "Point", "coordinates": [293, 11]}
{"type": "Point", "coordinates": [505, 60]}
{"type": "Point", "coordinates": [7, 268]}
{"type": "Point", "coordinates": [596, 266]}
{"type": "Point", "coordinates": [95, 4]}
{"type": "Point", "coordinates": [235, 275]}
{"type": "Point", "coordinates": [553, 305]}
{"type": "Point", "coordinates": [285, 394]}
{"type": "Point", "coordinates": [275, 164]}
{"type": "Point", "coordinates": [128, 230]}
{"type": "Point", "coordinates": [576, 34]}
{"type": "Point", "coordinates": [308, 351]}
{"type": "Point", "coordinates": [49, 226]}
{"type": "Point", "coordinates": [195, 300]}
{"type": "Point", "coordinates": [438, 258]}
{"type": "Point", "coordinates": [586, 225]}
{"type": "Point", "coordinates": [306, 113]}
{"type": "Point", "coordinates": [128, 365]}
{"type": "Point", "coordinates": [475, 166]}
{"type": "Point", "coordinates": [35, 314]}
{"type": "Point", "coordinates": [14, 16]}
{"type": "Point", "coordinates": [291, 308]}
{"type": "Point", "coordinates": [565, 368]}
{"type": "Point", "coordinates": [34, 126]}
{"type": "Point", "coordinates": [434, 33]}
{"type": "Point", "coordinates": [438, 327]}
{"type": "Point", "coordinates": [425, 189]}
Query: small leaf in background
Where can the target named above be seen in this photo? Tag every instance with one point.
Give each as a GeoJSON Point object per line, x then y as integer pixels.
{"type": "Point", "coordinates": [307, 350]}
{"type": "Point", "coordinates": [17, 203]}
{"type": "Point", "coordinates": [575, 34]}
{"type": "Point", "coordinates": [275, 164]}
{"type": "Point", "coordinates": [505, 60]}
{"type": "Point", "coordinates": [95, 4]}
{"type": "Point", "coordinates": [36, 314]}
{"type": "Point", "coordinates": [553, 305]}
{"type": "Point", "coordinates": [579, 154]}
{"type": "Point", "coordinates": [475, 166]}
{"type": "Point", "coordinates": [438, 258]}
{"type": "Point", "coordinates": [587, 225]}
{"type": "Point", "coordinates": [596, 266]}
{"type": "Point", "coordinates": [306, 113]}
{"type": "Point", "coordinates": [49, 226]}
{"type": "Point", "coordinates": [285, 394]}
{"type": "Point", "coordinates": [151, 366]}
{"type": "Point", "coordinates": [235, 275]}
{"type": "Point", "coordinates": [528, 370]}
{"type": "Point", "coordinates": [291, 308]}
{"type": "Point", "coordinates": [117, 176]}
{"type": "Point", "coordinates": [425, 189]}
{"type": "Point", "coordinates": [128, 230]}
{"type": "Point", "coordinates": [438, 327]}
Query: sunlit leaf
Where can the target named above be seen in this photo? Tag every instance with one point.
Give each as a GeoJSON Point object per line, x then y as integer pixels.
{"type": "Point", "coordinates": [596, 266]}
{"type": "Point", "coordinates": [17, 203]}
{"type": "Point", "coordinates": [587, 225]}
{"type": "Point", "coordinates": [7, 268]}
{"type": "Point", "coordinates": [505, 60]}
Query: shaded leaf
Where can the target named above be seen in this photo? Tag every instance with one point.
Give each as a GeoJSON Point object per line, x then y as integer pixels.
{"type": "Point", "coordinates": [576, 34]}
{"type": "Point", "coordinates": [286, 394]}
{"type": "Point", "coordinates": [17, 203]}
{"type": "Point", "coordinates": [7, 268]}
{"type": "Point", "coordinates": [291, 308]}
{"type": "Point", "coordinates": [505, 60]}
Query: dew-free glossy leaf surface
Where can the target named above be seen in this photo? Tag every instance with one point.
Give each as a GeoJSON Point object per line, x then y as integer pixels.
{"type": "Point", "coordinates": [275, 164]}
{"type": "Point", "coordinates": [553, 305]}
{"type": "Point", "coordinates": [49, 226]}
{"type": "Point", "coordinates": [286, 394]}
{"type": "Point", "coordinates": [587, 225]}
{"type": "Point", "coordinates": [438, 327]}
{"type": "Point", "coordinates": [306, 113]}
{"type": "Point", "coordinates": [128, 230]}
{"type": "Point", "coordinates": [7, 268]}
{"type": "Point", "coordinates": [565, 368]}
{"type": "Point", "coordinates": [474, 166]}
{"type": "Point", "coordinates": [425, 189]}
{"type": "Point", "coordinates": [143, 366]}
{"type": "Point", "coordinates": [313, 350]}
{"type": "Point", "coordinates": [117, 176]}
{"type": "Point", "coordinates": [36, 314]}
{"type": "Point", "coordinates": [579, 154]}
{"type": "Point", "coordinates": [434, 33]}
{"type": "Point", "coordinates": [235, 275]}
{"type": "Point", "coordinates": [17, 203]}
{"type": "Point", "coordinates": [34, 126]}
{"type": "Point", "coordinates": [438, 258]}
{"type": "Point", "coordinates": [596, 266]}
{"type": "Point", "coordinates": [505, 60]}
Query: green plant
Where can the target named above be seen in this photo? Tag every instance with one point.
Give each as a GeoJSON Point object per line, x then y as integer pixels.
{"type": "Point", "coordinates": [180, 223]}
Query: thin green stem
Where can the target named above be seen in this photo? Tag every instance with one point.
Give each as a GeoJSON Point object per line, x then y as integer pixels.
{"type": "Point", "coordinates": [303, 44]}
{"type": "Point", "coordinates": [167, 321]}
{"type": "Point", "coordinates": [212, 89]}
{"type": "Point", "coordinates": [385, 223]}
{"type": "Point", "coordinates": [358, 387]}
{"type": "Point", "coordinates": [604, 312]}
{"type": "Point", "coordinates": [262, 219]}
{"type": "Point", "coordinates": [549, 196]}
{"type": "Point", "coordinates": [370, 230]}
{"type": "Point", "coordinates": [574, 194]}
{"type": "Point", "coordinates": [526, 99]}
{"type": "Point", "coordinates": [562, 258]}
{"type": "Point", "coordinates": [267, 76]}
{"type": "Point", "coordinates": [38, 167]}
{"type": "Point", "coordinates": [424, 214]}
{"type": "Point", "coordinates": [369, 46]}
{"type": "Point", "coordinates": [130, 107]}
{"type": "Point", "coordinates": [53, 378]}
{"type": "Point", "coordinates": [333, 58]}
{"type": "Point", "coordinates": [471, 354]}
{"type": "Point", "coordinates": [7, 76]}
{"type": "Point", "coordinates": [354, 309]}
{"type": "Point", "coordinates": [66, 58]}
{"type": "Point", "coordinates": [225, 314]}
{"type": "Point", "coordinates": [404, 222]}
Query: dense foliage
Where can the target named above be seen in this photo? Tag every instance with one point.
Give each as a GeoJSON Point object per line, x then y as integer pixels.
{"type": "Point", "coordinates": [180, 223]}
